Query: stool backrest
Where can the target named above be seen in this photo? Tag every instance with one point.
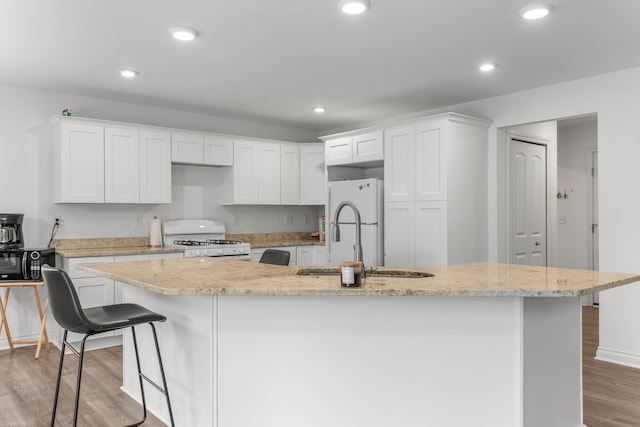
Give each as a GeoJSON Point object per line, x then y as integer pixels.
{"type": "Point", "coordinates": [275, 256]}
{"type": "Point", "coordinates": [64, 301]}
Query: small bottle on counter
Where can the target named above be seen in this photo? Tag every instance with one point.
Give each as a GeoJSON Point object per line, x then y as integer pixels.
{"type": "Point", "coordinates": [351, 274]}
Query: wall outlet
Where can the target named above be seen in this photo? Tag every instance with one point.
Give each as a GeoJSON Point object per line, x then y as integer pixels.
{"type": "Point", "coordinates": [307, 219]}
{"type": "Point", "coordinates": [562, 219]}
{"type": "Point", "coordinates": [288, 219]}
{"type": "Point", "coordinates": [139, 221]}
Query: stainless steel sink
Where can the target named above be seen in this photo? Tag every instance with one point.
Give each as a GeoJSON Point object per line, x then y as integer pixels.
{"type": "Point", "coordinates": [334, 271]}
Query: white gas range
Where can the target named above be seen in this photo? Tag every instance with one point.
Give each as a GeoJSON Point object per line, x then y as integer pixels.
{"type": "Point", "coordinates": [203, 237]}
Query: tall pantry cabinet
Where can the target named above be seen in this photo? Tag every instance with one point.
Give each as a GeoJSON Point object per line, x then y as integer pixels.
{"type": "Point", "coordinates": [435, 180]}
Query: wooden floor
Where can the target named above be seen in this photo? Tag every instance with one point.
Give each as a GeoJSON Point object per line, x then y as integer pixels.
{"type": "Point", "coordinates": [27, 386]}
{"type": "Point", "coordinates": [611, 392]}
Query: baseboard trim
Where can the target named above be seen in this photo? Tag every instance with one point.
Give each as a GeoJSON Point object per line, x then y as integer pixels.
{"type": "Point", "coordinates": [618, 357]}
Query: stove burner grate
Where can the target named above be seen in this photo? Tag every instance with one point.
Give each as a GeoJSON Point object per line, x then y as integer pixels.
{"type": "Point", "coordinates": [208, 242]}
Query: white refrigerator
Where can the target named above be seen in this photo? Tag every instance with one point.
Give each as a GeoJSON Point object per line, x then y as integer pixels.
{"type": "Point", "coordinates": [367, 196]}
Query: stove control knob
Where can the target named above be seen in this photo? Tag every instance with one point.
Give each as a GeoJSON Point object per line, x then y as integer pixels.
{"type": "Point", "coordinates": [220, 251]}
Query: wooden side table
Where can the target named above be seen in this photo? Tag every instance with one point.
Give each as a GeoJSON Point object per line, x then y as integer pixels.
{"type": "Point", "coordinates": [43, 338]}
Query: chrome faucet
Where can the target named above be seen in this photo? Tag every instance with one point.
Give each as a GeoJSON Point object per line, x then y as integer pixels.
{"type": "Point", "coordinates": [357, 248]}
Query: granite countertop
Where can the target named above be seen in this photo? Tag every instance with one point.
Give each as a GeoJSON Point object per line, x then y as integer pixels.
{"type": "Point", "coordinates": [274, 240]}
{"type": "Point", "coordinates": [217, 276]}
{"type": "Point", "coordinates": [108, 246]}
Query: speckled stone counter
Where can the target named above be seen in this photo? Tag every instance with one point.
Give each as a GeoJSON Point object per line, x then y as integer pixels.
{"type": "Point", "coordinates": [216, 276]}
{"type": "Point", "coordinates": [272, 240]}
{"type": "Point", "coordinates": [108, 246]}
{"type": "Point", "coordinates": [502, 342]}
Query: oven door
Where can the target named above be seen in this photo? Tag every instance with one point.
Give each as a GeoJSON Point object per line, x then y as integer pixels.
{"type": "Point", "coordinates": [11, 265]}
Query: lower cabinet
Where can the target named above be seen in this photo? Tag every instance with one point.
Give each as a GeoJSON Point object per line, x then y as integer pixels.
{"type": "Point", "coordinates": [94, 291]}
{"type": "Point", "coordinates": [416, 234]}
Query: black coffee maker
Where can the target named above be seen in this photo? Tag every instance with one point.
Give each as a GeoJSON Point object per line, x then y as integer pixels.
{"type": "Point", "coordinates": [11, 231]}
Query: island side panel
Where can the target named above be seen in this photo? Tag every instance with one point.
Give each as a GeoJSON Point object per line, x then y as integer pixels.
{"type": "Point", "coordinates": [369, 361]}
{"type": "Point", "coordinates": [187, 344]}
{"type": "Point", "coordinates": [552, 362]}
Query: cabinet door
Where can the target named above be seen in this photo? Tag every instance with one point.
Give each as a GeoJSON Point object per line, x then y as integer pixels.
{"type": "Point", "coordinates": [304, 256]}
{"type": "Point", "coordinates": [121, 165]}
{"type": "Point", "coordinates": [289, 174]}
{"type": "Point", "coordinates": [313, 181]}
{"type": "Point", "coordinates": [367, 147]}
{"type": "Point", "coordinates": [155, 167]}
{"type": "Point", "coordinates": [218, 151]}
{"type": "Point", "coordinates": [431, 234]}
{"type": "Point", "coordinates": [93, 292]}
{"type": "Point", "coordinates": [399, 164]}
{"type": "Point", "coordinates": [80, 150]}
{"type": "Point", "coordinates": [319, 255]}
{"type": "Point", "coordinates": [431, 160]}
{"type": "Point", "coordinates": [399, 234]}
{"type": "Point", "coordinates": [268, 173]}
{"type": "Point", "coordinates": [245, 172]}
{"type": "Point", "coordinates": [338, 151]}
{"type": "Point", "coordinates": [187, 148]}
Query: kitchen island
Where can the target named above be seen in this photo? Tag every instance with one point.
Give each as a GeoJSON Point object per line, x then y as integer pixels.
{"type": "Point", "coordinates": [249, 344]}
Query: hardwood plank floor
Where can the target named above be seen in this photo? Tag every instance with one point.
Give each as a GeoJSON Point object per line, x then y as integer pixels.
{"type": "Point", "coordinates": [611, 392]}
{"type": "Point", "coordinates": [27, 386]}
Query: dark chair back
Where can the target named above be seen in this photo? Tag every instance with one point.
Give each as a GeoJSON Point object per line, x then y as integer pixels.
{"type": "Point", "coordinates": [64, 301]}
{"type": "Point", "coordinates": [275, 256]}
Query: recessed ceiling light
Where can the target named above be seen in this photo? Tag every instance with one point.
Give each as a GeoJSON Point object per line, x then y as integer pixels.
{"type": "Point", "coordinates": [536, 11]}
{"type": "Point", "coordinates": [129, 73]}
{"type": "Point", "coordinates": [319, 109]}
{"type": "Point", "coordinates": [489, 66]}
{"type": "Point", "coordinates": [353, 7]}
{"type": "Point", "coordinates": [183, 33]}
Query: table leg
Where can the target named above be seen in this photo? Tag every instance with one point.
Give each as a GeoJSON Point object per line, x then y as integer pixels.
{"type": "Point", "coordinates": [3, 314]}
{"type": "Point", "coordinates": [43, 321]}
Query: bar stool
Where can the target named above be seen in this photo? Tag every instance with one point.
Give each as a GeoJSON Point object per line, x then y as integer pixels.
{"type": "Point", "coordinates": [67, 311]}
{"type": "Point", "coordinates": [275, 256]}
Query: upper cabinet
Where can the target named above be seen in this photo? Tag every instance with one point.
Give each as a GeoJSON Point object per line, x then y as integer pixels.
{"type": "Point", "coordinates": [100, 163]}
{"type": "Point", "coordinates": [290, 174]}
{"type": "Point", "coordinates": [256, 173]}
{"type": "Point", "coordinates": [201, 149]}
{"type": "Point", "coordinates": [356, 149]}
{"type": "Point", "coordinates": [313, 181]}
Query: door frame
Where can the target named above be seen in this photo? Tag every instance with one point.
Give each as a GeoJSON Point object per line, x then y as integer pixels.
{"type": "Point", "coordinates": [503, 224]}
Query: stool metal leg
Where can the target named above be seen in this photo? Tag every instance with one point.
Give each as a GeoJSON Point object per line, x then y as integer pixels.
{"type": "Point", "coordinates": [81, 355]}
{"type": "Point", "coordinates": [140, 377]}
{"type": "Point", "coordinates": [57, 392]}
{"type": "Point", "coordinates": [164, 380]}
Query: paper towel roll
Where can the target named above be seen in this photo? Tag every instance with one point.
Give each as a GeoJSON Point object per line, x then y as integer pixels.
{"type": "Point", "coordinates": [155, 235]}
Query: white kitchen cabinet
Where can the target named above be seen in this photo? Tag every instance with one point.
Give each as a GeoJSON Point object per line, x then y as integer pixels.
{"type": "Point", "coordinates": [217, 150]}
{"type": "Point", "coordinates": [313, 181]}
{"type": "Point", "coordinates": [155, 167]}
{"type": "Point", "coordinates": [256, 172]}
{"type": "Point", "coordinates": [201, 149]}
{"type": "Point", "coordinates": [97, 162]}
{"type": "Point", "coordinates": [269, 163]}
{"type": "Point", "coordinates": [187, 148]}
{"type": "Point", "coordinates": [290, 174]}
{"type": "Point", "coordinates": [363, 148]}
{"type": "Point", "coordinates": [121, 165]}
{"type": "Point", "coordinates": [310, 255]}
{"type": "Point", "coordinates": [78, 163]}
{"type": "Point", "coordinates": [436, 191]}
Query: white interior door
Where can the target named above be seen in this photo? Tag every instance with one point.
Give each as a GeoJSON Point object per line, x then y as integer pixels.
{"type": "Point", "coordinates": [527, 203]}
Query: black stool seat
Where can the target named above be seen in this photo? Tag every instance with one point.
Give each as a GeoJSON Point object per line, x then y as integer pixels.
{"type": "Point", "coordinates": [66, 309]}
{"type": "Point", "coordinates": [117, 316]}
{"type": "Point", "coordinates": [275, 256]}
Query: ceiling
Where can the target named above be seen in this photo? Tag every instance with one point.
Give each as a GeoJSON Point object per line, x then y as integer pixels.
{"type": "Point", "coordinates": [271, 61]}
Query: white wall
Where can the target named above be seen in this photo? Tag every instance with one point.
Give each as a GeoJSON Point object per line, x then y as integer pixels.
{"type": "Point", "coordinates": [25, 154]}
{"type": "Point", "coordinates": [574, 170]}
